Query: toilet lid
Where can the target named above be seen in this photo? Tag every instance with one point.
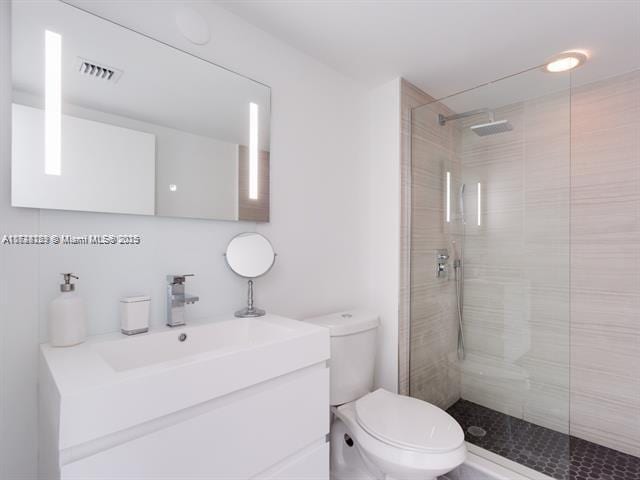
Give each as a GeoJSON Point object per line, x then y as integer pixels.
{"type": "Point", "coordinates": [408, 422]}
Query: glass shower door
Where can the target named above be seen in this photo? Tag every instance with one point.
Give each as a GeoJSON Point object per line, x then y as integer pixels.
{"type": "Point", "coordinates": [490, 253]}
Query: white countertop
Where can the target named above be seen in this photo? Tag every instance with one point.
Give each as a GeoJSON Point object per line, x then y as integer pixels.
{"type": "Point", "coordinates": [113, 381]}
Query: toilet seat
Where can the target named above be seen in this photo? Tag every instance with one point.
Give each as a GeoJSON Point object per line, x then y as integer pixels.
{"type": "Point", "coordinates": [399, 452]}
{"type": "Point", "coordinates": [408, 423]}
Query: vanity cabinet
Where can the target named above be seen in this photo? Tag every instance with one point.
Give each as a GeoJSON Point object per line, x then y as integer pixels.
{"type": "Point", "coordinates": [237, 437]}
{"type": "Point", "coordinates": [273, 427]}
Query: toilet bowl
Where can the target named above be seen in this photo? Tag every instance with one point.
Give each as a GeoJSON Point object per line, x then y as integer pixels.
{"type": "Point", "coordinates": [400, 437]}
{"type": "Point", "coordinates": [381, 435]}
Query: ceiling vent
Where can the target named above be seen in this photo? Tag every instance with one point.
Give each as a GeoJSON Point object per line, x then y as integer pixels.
{"type": "Point", "coordinates": [96, 70]}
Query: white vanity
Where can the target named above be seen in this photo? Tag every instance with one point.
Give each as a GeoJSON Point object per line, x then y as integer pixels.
{"type": "Point", "coordinates": [237, 398]}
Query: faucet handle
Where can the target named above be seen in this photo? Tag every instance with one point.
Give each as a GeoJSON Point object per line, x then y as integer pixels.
{"type": "Point", "coordinates": [178, 279]}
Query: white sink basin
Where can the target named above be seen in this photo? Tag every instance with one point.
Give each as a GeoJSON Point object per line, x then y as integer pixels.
{"type": "Point", "coordinates": [169, 346]}
{"type": "Point", "coordinates": [113, 382]}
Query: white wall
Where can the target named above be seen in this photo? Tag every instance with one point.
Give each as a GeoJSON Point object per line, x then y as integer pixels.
{"type": "Point", "coordinates": [384, 224]}
{"type": "Point", "coordinates": [18, 304]}
{"type": "Point", "coordinates": [320, 190]}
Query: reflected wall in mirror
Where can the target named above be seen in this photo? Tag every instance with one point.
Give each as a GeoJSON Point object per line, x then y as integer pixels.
{"type": "Point", "coordinates": [105, 119]}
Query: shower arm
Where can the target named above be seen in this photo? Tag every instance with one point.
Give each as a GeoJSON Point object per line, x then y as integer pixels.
{"type": "Point", "coordinates": [442, 120]}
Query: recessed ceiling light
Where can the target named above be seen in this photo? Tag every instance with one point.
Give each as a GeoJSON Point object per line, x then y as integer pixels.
{"type": "Point", "coordinates": [565, 61]}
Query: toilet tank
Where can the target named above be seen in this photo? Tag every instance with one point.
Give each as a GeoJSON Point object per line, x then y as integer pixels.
{"type": "Point", "coordinates": [353, 353]}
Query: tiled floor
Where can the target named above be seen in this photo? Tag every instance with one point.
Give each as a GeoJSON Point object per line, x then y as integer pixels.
{"type": "Point", "coordinates": [555, 454]}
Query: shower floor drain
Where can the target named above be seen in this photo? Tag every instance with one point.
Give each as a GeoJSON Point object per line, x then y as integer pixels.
{"type": "Point", "coordinates": [476, 431]}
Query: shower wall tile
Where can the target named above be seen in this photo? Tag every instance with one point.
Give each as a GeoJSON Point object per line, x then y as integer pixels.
{"type": "Point", "coordinates": [433, 372]}
{"type": "Point", "coordinates": [617, 429]}
{"type": "Point", "coordinates": [548, 406]}
{"type": "Point", "coordinates": [605, 260]}
{"type": "Point", "coordinates": [546, 258]}
{"type": "Point", "coordinates": [601, 106]}
{"type": "Point", "coordinates": [614, 348]}
{"type": "Point", "coordinates": [517, 264]}
{"type": "Point", "coordinates": [506, 391]}
{"type": "Point", "coordinates": [410, 97]}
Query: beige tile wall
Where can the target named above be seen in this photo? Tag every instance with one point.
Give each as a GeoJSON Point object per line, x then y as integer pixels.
{"type": "Point", "coordinates": [410, 97]}
{"type": "Point", "coordinates": [605, 262]}
{"type": "Point", "coordinates": [433, 373]}
{"type": "Point", "coordinates": [516, 300]}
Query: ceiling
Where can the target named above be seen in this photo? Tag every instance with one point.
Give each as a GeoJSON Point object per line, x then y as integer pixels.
{"type": "Point", "coordinates": [448, 46]}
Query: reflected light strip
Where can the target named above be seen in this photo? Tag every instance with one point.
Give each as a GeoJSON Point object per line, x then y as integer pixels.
{"type": "Point", "coordinates": [448, 200]}
{"type": "Point", "coordinates": [52, 103]}
{"type": "Point", "coordinates": [253, 151]}
{"type": "Point", "coordinates": [479, 204]}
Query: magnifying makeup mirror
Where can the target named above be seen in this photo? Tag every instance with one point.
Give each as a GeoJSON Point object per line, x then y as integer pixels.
{"type": "Point", "coordinates": [250, 255]}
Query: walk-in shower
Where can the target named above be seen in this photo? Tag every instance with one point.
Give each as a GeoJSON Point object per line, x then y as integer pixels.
{"type": "Point", "coordinates": [520, 336]}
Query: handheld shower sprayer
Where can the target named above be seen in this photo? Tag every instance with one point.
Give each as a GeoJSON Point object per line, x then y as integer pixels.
{"type": "Point", "coordinates": [458, 268]}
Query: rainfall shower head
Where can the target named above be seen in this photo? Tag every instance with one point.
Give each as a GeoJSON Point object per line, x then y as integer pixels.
{"type": "Point", "coordinates": [492, 128]}
{"type": "Point", "coordinates": [484, 129]}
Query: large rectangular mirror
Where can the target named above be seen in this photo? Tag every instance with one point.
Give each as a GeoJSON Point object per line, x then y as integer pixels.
{"type": "Point", "coordinates": [105, 119]}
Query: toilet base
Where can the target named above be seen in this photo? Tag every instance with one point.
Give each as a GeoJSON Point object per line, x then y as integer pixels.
{"type": "Point", "coordinates": [346, 461]}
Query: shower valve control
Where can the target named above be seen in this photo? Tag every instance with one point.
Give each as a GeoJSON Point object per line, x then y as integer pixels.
{"type": "Point", "coordinates": [442, 262]}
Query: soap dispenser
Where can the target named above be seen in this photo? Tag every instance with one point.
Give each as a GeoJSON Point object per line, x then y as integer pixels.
{"type": "Point", "coordinates": [67, 316]}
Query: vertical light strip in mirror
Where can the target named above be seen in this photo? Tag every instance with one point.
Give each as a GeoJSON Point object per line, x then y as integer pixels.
{"type": "Point", "coordinates": [253, 151]}
{"type": "Point", "coordinates": [479, 204]}
{"type": "Point", "coordinates": [448, 199]}
{"type": "Point", "coordinates": [52, 103]}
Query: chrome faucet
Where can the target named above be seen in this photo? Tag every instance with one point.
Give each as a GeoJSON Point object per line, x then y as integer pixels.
{"type": "Point", "coordinates": [177, 299]}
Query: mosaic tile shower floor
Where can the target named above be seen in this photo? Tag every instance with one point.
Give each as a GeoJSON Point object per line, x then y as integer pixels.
{"type": "Point", "coordinates": [555, 454]}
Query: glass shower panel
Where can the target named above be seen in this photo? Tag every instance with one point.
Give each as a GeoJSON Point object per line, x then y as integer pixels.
{"type": "Point", "coordinates": [490, 265]}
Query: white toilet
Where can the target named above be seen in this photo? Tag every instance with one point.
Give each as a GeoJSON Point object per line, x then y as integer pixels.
{"type": "Point", "coordinates": [381, 435]}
